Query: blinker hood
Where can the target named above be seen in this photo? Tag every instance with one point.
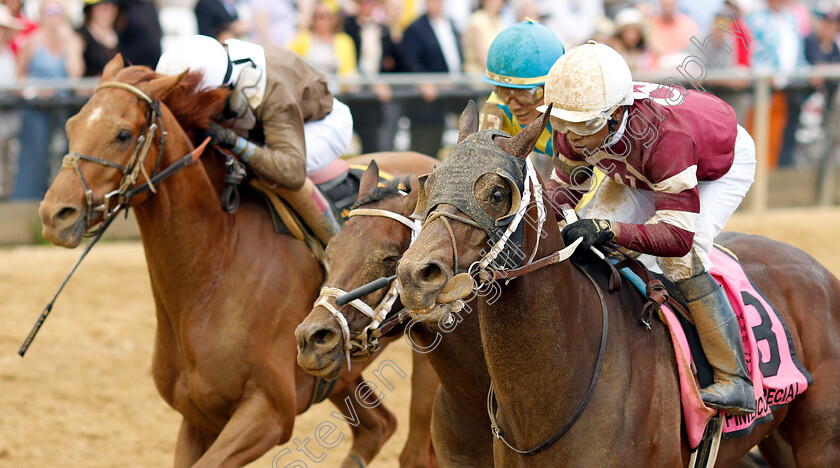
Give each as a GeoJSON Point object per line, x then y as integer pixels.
{"type": "Point", "coordinates": [454, 183]}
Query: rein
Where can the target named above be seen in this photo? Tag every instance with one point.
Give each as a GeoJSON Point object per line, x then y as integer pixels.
{"type": "Point", "coordinates": [367, 341]}
{"type": "Point", "coordinates": [491, 395]}
{"type": "Point", "coordinates": [124, 193]}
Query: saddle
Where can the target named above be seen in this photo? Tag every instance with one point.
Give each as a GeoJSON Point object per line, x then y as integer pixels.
{"type": "Point", "coordinates": [777, 375]}
{"type": "Point", "coordinates": [338, 182]}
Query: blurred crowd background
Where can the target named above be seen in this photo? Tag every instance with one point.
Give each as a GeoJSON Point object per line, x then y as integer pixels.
{"type": "Point", "coordinates": [363, 44]}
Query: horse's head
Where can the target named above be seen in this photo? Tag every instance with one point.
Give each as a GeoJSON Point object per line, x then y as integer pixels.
{"type": "Point", "coordinates": [114, 144]}
{"type": "Point", "coordinates": [472, 210]}
{"type": "Point", "coordinates": [367, 248]}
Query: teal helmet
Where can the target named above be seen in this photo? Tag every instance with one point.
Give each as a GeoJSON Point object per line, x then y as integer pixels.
{"type": "Point", "coordinates": [521, 55]}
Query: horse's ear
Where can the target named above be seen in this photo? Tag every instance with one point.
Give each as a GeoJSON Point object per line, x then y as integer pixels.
{"type": "Point", "coordinates": [468, 122]}
{"type": "Point", "coordinates": [112, 68]}
{"type": "Point", "coordinates": [523, 143]}
{"type": "Point", "coordinates": [161, 86]}
{"type": "Point", "coordinates": [369, 179]}
{"type": "Point", "coordinates": [420, 208]}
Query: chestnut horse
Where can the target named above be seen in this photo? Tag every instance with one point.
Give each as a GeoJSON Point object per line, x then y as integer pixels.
{"type": "Point", "coordinates": [368, 248]}
{"type": "Point", "coordinates": [542, 337]}
{"type": "Point", "coordinates": [228, 289]}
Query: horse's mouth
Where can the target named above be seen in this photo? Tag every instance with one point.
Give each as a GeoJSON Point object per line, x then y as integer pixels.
{"type": "Point", "coordinates": [328, 371]}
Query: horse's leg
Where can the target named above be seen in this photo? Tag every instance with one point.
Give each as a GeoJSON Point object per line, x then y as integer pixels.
{"type": "Point", "coordinates": [776, 451]}
{"type": "Point", "coordinates": [461, 438]}
{"type": "Point", "coordinates": [375, 426]}
{"type": "Point", "coordinates": [191, 444]}
{"type": "Point", "coordinates": [418, 451]}
{"type": "Point", "coordinates": [252, 430]}
{"type": "Point", "coordinates": [813, 419]}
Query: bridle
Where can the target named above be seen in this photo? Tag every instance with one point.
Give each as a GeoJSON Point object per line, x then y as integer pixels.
{"type": "Point", "coordinates": [367, 341]}
{"type": "Point", "coordinates": [480, 277]}
{"type": "Point", "coordinates": [131, 171]}
{"type": "Point", "coordinates": [126, 190]}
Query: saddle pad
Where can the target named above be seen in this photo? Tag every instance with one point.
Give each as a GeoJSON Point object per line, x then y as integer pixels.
{"type": "Point", "coordinates": [777, 375]}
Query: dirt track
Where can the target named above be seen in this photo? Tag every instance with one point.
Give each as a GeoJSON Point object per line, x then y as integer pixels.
{"type": "Point", "coordinates": [84, 395]}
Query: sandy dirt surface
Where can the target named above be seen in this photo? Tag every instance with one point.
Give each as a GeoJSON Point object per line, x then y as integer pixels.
{"type": "Point", "coordinates": [84, 396]}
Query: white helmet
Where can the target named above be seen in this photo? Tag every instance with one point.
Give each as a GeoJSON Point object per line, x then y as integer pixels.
{"type": "Point", "coordinates": [197, 53]}
{"type": "Point", "coordinates": [587, 84]}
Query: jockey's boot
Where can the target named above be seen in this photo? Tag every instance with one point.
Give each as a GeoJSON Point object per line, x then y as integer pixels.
{"type": "Point", "coordinates": [720, 336]}
{"type": "Point", "coordinates": [313, 208]}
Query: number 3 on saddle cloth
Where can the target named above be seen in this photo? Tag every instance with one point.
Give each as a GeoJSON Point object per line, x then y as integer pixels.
{"type": "Point", "coordinates": [777, 375]}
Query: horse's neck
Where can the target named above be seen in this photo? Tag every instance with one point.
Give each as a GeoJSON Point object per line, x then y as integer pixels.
{"type": "Point", "coordinates": [540, 341]}
{"type": "Point", "coordinates": [182, 225]}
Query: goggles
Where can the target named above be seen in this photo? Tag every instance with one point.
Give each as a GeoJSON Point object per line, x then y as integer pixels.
{"type": "Point", "coordinates": [527, 97]}
{"type": "Point", "coordinates": [586, 128]}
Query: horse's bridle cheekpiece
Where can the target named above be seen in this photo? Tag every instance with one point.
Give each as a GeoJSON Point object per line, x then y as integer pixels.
{"type": "Point", "coordinates": [454, 183]}
{"type": "Point", "coordinates": [132, 170]}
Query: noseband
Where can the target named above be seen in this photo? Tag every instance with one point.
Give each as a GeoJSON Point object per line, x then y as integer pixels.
{"type": "Point", "coordinates": [367, 341]}
{"type": "Point", "coordinates": [131, 171]}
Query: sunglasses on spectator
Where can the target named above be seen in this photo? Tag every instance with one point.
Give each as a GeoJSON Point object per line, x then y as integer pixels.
{"type": "Point", "coordinates": [53, 9]}
{"type": "Point", "coordinates": [526, 97]}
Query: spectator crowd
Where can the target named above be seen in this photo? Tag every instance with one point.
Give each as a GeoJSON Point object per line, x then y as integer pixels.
{"type": "Point", "coordinates": [364, 38]}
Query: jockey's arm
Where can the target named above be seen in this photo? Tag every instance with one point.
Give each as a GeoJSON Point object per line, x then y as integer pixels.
{"type": "Point", "coordinates": [670, 232]}
{"type": "Point", "coordinates": [282, 160]}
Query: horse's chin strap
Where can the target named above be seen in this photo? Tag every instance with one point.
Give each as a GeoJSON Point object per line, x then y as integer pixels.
{"type": "Point", "coordinates": [368, 342]}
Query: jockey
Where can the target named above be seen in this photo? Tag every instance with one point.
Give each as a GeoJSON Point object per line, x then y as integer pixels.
{"type": "Point", "coordinates": [678, 165]}
{"type": "Point", "coordinates": [519, 78]}
{"type": "Point", "coordinates": [294, 124]}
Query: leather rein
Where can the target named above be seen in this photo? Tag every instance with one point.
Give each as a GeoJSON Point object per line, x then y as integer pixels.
{"type": "Point", "coordinates": [367, 341]}
{"type": "Point", "coordinates": [480, 269]}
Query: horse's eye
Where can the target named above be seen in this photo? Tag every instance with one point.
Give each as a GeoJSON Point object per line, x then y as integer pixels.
{"type": "Point", "coordinates": [498, 195]}
{"type": "Point", "coordinates": [124, 136]}
{"type": "Point", "coordinates": [391, 259]}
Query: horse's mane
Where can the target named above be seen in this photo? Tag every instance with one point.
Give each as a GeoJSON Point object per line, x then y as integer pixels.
{"type": "Point", "coordinates": [194, 109]}
{"type": "Point", "coordinates": [394, 187]}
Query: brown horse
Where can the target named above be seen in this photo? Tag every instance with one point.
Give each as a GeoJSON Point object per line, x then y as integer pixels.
{"type": "Point", "coordinates": [228, 290]}
{"type": "Point", "coordinates": [366, 249]}
{"type": "Point", "coordinates": [541, 338]}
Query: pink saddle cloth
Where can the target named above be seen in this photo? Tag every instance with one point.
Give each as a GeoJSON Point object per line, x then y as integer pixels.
{"type": "Point", "coordinates": [777, 375]}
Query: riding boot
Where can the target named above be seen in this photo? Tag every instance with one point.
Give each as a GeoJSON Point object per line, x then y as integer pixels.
{"type": "Point", "coordinates": [313, 208]}
{"type": "Point", "coordinates": [720, 336]}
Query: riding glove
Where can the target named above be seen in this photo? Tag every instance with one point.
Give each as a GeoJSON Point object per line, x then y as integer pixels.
{"type": "Point", "coordinates": [224, 137]}
{"type": "Point", "coordinates": [593, 231]}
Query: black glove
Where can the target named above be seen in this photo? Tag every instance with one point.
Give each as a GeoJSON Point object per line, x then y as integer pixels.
{"type": "Point", "coordinates": [224, 137]}
{"type": "Point", "coordinates": [593, 231]}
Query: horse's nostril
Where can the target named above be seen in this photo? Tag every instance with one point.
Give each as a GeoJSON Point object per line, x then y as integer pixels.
{"type": "Point", "coordinates": [65, 214]}
{"type": "Point", "coordinates": [431, 272]}
{"type": "Point", "coordinates": [320, 336]}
